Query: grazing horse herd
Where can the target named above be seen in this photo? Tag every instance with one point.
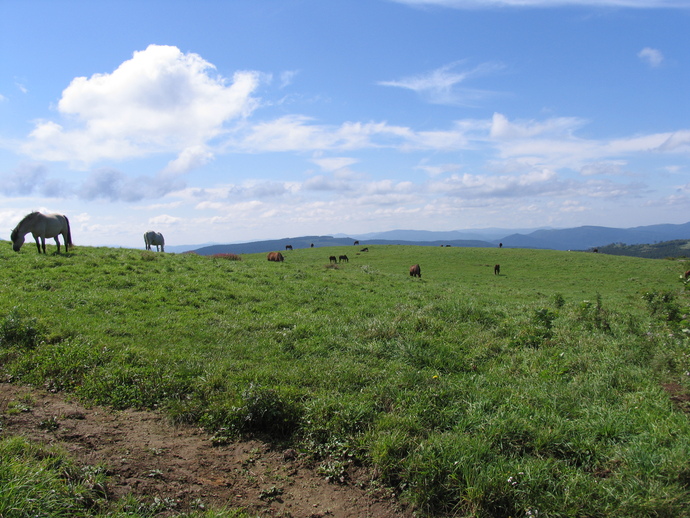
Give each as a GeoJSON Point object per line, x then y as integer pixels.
{"type": "Point", "coordinates": [340, 259]}
{"type": "Point", "coordinates": [415, 270]}
{"type": "Point", "coordinates": [44, 226]}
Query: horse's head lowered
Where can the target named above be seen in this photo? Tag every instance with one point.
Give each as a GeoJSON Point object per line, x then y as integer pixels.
{"type": "Point", "coordinates": [17, 240]}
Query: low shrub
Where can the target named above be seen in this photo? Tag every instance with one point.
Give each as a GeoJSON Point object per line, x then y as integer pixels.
{"type": "Point", "coordinates": [18, 329]}
{"type": "Point", "coordinates": [538, 330]}
{"type": "Point", "coordinates": [663, 305]}
{"type": "Point", "coordinates": [228, 257]}
{"type": "Point", "coordinates": [259, 411]}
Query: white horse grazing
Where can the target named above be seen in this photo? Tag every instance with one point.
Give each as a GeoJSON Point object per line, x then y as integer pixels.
{"type": "Point", "coordinates": [152, 238]}
{"type": "Point", "coordinates": [42, 226]}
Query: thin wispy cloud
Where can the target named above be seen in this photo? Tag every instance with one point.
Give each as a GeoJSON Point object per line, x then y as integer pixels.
{"type": "Point", "coordinates": [287, 77]}
{"type": "Point", "coordinates": [20, 86]}
{"type": "Point", "coordinates": [331, 164]}
{"type": "Point", "coordinates": [653, 57]}
{"type": "Point", "coordinates": [445, 85]}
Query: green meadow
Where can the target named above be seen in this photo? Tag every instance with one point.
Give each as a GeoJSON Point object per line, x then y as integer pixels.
{"type": "Point", "coordinates": [536, 392]}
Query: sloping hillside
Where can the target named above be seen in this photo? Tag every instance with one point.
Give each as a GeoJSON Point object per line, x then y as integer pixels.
{"type": "Point", "coordinates": [678, 248]}
{"type": "Point", "coordinates": [467, 392]}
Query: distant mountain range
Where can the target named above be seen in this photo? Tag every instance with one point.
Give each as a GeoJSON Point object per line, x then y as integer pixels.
{"type": "Point", "coordinates": [579, 238]}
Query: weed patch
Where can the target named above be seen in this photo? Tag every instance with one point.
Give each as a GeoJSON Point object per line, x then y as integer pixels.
{"type": "Point", "coordinates": [19, 329]}
{"type": "Point", "coordinates": [227, 257]}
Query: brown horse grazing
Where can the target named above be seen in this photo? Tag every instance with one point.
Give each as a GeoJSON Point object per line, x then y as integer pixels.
{"type": "Point", "coordinates": [333, 259]}
{"type": "Point", "coordinates": [288, 247]}
{"type": "Point", "coordinates": [497, 269]}
{"type": "Point", "coordinates": [275, 256]}
{"type": "Point", "coordinates": [415, 271]}
{"type": "Point", "coordinates": [687, 274]}
{"type": "Point", "coordinates": [343, 258]}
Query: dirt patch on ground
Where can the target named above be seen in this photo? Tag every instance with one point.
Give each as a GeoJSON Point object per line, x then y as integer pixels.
{"type": "Point", "coordinates": [149, 458]}
{"type": "Point", "coordinates": [679, 396]}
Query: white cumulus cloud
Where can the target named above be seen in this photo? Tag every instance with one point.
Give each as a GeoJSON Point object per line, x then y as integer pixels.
{"type": "Point", "coordinates": [161, 100]}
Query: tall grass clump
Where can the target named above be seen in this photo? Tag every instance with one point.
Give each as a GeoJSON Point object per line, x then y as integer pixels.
{"type": "Point", "coordinates": [542, 391]}
{"type": "Point", "coordinates": [256, 411]}
{"type": "Point", "coordinates": [19, 329]}
{"type": "Point", "coordinates": [42, 481]}
{"type": "Point", "coordinates": [228, 257]}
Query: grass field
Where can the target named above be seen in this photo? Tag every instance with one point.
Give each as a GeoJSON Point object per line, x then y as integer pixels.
{"type": "Point", "coordinates": [536, 392]}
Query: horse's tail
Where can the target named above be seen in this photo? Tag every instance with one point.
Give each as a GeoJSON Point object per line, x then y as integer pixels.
{"type": "Point", "coordinates": [68, 237]}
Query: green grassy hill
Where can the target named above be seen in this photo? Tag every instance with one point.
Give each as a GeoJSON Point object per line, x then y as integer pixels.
{"type": "Point", "coordinates": [677, 248]}
{"type": "Point", "coordinates": [534, 392]}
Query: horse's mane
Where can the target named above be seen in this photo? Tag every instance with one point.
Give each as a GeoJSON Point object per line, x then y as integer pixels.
{"type": "Point", "coordinates": [26, 218]}
{"type": "Point", "coordinates": [29, 216]}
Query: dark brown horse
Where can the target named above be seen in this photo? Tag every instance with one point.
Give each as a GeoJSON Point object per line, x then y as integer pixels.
{"type": "Point", "coordinates": [288, 247]}
{"type": "Point", "coordinates": [415, 271]}
{"type": "Point", "coordinates": [343, 258]}
{"type": "Point", "coordinates": [356, 243]}
{"type": "Point", "coordinates": [497, 269]}
{"type": "Point", "coordinates": [687, 274]}
{"type": "Point", "coordinates": [333, 259]}
{"type": "Point", "coordinates": [275, 256]}
{"type": "Point", "coordinates": [364, 250]}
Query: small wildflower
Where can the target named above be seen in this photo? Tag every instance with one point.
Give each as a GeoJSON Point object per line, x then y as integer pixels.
{"type": "Point", "coordinates": [434, 377]}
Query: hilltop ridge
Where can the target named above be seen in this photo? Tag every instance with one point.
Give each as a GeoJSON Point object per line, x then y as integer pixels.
{"type": "Point", "coordinates": [578, 238]}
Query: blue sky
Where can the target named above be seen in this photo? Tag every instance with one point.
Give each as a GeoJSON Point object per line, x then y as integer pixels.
{"type": "Point", "coordinates": [216, 121]}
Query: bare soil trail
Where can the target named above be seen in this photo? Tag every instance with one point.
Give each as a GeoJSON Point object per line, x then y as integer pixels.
{"type": "Point", "coordinates": [149, 458]}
